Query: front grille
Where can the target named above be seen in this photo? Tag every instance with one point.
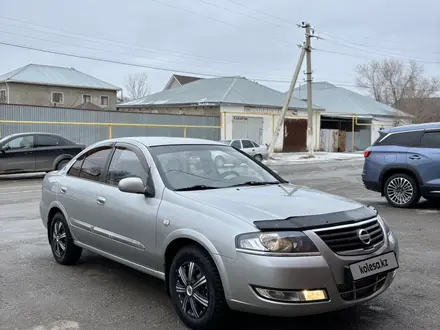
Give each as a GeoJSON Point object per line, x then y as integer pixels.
{"type": "Point", "coordinates": [362, 288]}
{"type": "Point", "coordinates": [345, 240]}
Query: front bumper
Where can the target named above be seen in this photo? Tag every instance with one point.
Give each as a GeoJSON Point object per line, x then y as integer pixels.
{"type": "Point", "coordinates": [327, 272]}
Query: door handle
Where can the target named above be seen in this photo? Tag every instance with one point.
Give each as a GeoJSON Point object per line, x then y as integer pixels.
{"type": "Point", "coordinates": [63, 190]}
{"type": "Point", "coordinates": [414, 157]}
{"type": "Point", "coordinates": [100, 200]}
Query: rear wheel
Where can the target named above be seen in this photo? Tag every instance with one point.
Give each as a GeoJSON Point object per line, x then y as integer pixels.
{"type": "Point", "coordinates": [64, 250]}
{"type": "Point", "coordinates": [401, 190]}
{"type": "Point", "coordinates": [196, 289]}
{"type": "Point", "coordinates": [61, 164]}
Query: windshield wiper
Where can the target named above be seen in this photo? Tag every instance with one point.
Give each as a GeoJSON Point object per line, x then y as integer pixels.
{"type": "Point", "coordinates": [255, 183]}
{"type": "Point", "coordinates": [196, 187]}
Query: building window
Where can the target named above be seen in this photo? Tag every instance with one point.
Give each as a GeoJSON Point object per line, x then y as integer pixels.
{"type": "Point", "coordinates": [87, 98]}
{"type": "Point", "coordinates": [57, 97]}
{"type": "Point", "coordinates": [3, 96]}
{"type": "Point", "coordinates": [104, 101]}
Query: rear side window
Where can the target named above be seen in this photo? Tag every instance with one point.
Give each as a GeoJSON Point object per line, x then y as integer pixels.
{"type": "Point", "coordinates": [247, 144]}
{"type": "Point", "coordinates": [236, 144]}
{"type": "Point", "coordinates": [94, 163]}
{"type": "Point", "coordinates": [49, 141]}
{"type": "Point", "coordinates": [407, 139]}
{"type": "Point", "coordinates": [430, 140]}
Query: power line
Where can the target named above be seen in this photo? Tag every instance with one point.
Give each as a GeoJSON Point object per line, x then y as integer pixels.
{"type": "Point", "coordinates": [211, 18]}
{"type": "Point", "coordinates": [285, 80]}
{"type": "Point", "coordinates": [150, 50]}
{"type": "Point", "coordinates": [260, 11]}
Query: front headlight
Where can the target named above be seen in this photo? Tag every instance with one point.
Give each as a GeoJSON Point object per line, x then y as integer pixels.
{"type": "Point", "coordinates": [384, 224]}
{"type": "Point", "coordinates": [293, 242]}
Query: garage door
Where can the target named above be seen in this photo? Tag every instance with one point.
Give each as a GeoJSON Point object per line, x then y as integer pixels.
{"type": "Point", "coordinates": [295, 135]}
{"type": "Point", "coordinates": [247, 128]}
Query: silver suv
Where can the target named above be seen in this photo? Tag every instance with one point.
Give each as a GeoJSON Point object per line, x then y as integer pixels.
{"type": "Point", "coordinates": [222, 238]}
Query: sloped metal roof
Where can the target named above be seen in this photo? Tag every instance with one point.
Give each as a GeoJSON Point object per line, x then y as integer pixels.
{"type": "Point", "coordinates": [215, 91]}
{"type": "Point", "coordinates": [54, 76]}
{"type": "Point", "coordinates": [339, 100]}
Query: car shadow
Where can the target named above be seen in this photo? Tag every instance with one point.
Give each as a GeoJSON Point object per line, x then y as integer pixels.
{"type": "Point", "coordinates": [143, 288]}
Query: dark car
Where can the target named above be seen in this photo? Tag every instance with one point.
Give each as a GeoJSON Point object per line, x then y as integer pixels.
{"type": "Point", "coordinates": [36, 152]}
{"type": "Point", "coordinates": [404, 164]}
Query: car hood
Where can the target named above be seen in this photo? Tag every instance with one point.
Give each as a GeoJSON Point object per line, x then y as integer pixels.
{"type": "Point", "coordinates": [284, 206]}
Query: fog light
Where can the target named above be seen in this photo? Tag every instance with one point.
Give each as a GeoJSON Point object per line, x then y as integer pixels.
{"type": "Point", "coordinates": [295, 296]}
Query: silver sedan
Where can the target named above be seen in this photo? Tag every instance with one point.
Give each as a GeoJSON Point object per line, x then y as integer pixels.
{"type": "Point", "coordinates": [237, 237]}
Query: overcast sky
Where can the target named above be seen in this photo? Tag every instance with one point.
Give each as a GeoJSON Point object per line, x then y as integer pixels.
{"type": "Point", "coordinates": [252, 38]}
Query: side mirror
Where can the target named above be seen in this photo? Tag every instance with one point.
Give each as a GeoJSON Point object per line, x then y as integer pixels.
{"type": "Point", "coordinates": [134, 185]}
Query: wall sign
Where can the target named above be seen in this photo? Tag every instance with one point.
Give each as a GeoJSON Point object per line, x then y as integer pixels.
{"type": "Point", "coordinates": [239, 118]}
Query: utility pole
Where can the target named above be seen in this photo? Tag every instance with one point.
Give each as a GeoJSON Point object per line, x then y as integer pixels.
{"type": "Point", "coordinates": [287, 102]}
{"type": "Point", "coordinates": [306, 48]}
{"type": "Point", "coordinates": [310, 141]}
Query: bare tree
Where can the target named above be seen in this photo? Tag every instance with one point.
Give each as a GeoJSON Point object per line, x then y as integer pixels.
{"type": "Point", "coordinates": [137, 85]}
{"type": "Point", "coordinates": [390, 81]}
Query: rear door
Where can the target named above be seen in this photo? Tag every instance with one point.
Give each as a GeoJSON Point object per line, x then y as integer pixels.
{"type": "Point", "coordinates": [47, 149]}
{"type": "Point", "coordinates": [79, 190]}
{"type": "Point", "coordinates": [18, 155]}
{"type": "Point", "coordinates": [425, 158]}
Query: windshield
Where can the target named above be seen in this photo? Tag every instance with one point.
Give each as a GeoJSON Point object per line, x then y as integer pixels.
{"type": "Point", "coordinates": [196, 167]}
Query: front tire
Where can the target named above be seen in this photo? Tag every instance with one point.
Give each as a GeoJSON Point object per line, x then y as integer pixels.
{"type": "Point", "coordinates": [402, 191]}
{"type": "Point", "coordinates": [259, 158]}
{"type": "Point", "coordinates": [64, 250]}
{"type": "Point", "coordinates": [196, 289]}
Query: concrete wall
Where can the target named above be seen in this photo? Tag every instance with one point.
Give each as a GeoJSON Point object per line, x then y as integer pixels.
{"type": "Point", "coordinates": [40, 95]}
{"type": "Point", "coordinates": [192, 111]}
{"type": "Point", "coordinates": [270, 118]}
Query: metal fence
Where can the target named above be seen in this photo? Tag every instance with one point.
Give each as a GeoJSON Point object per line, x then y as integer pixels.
{"type": "Point", "coordinates": [90, 126]}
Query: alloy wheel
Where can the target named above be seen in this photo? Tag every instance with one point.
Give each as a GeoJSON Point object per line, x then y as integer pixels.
{"type": "Point", "coordinates": [59, 238]}
{"type": "Point", "coordinates": [192, 290]}
{"type": "Point", "coordinates": [400, 190]}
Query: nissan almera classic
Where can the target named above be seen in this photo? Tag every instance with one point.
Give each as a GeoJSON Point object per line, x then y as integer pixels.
{"type": "Point", "coordinates": [235, 237]}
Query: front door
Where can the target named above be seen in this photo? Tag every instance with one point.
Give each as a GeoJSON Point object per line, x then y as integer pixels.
{"type": "Point", "coordinates": [17, 155]}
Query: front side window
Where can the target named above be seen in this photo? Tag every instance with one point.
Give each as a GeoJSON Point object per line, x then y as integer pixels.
{"type": "Point", "coordinates": [22, 142]}
{"type": "Point", "coordinates": [94, 163]}
{"type": "Point", "coordinates": [430, 140]}
{"type": "Point", "coordinates": [125, 164]}
{"type": "Point", "coordinates": [192, 167]}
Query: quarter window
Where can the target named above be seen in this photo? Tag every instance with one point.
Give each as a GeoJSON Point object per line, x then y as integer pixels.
{"type": "Point", "coordinates": [76, 167]}
{"type": "Point", "coordinates": [430, 140]}
{"type": "Point", "coordinates": [407, 139]}
{"type": "Point", "coordinates": [94, 163]}
{"type": "Point", "coordinates": [125, 164]}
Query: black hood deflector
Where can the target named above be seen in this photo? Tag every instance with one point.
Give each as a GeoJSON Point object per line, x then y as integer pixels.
{"type": "Point", "coordinates": [318, 221]}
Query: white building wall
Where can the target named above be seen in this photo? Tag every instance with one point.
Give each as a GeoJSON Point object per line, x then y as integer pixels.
{"type": "Point", "coordinates": [379, 123]}
{"type": "Point", "coordinates": [270, 118]}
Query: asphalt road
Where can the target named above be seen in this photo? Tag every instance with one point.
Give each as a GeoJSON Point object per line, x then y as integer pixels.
{"type": "Point", "coordinates": [38, 294]}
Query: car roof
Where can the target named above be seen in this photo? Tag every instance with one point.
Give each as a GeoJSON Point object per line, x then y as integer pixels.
{"type": "Point", "coordinates": [154, 141]}
{"type": "Point", "coordinates": [412, 127]}
{"type": "Point", "coordinates": [32, 133]}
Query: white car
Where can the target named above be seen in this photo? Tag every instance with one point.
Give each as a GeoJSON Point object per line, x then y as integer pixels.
{"type": "Point", "coordinates": [259, 152]}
